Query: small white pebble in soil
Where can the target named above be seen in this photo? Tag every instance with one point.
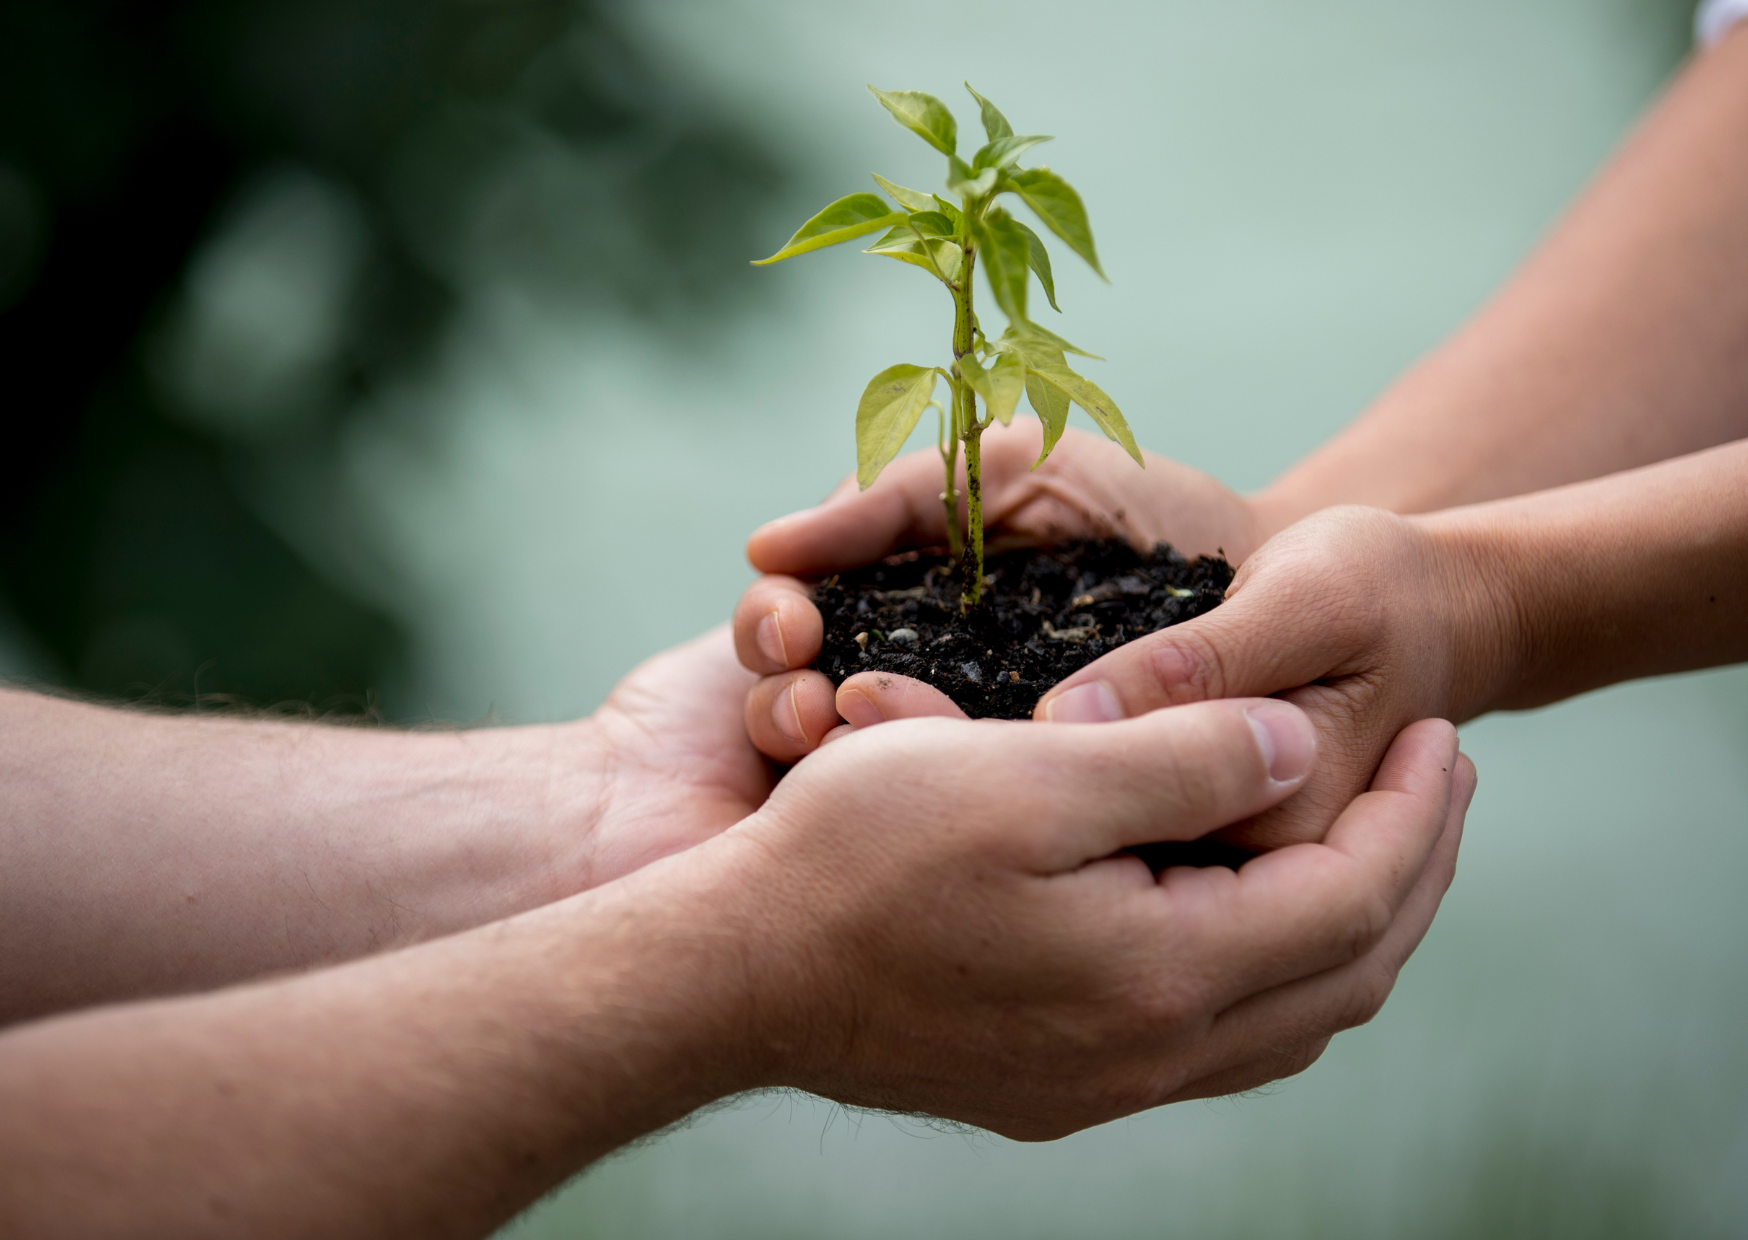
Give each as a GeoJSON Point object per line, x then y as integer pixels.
{"type": "Point", "coordinates": [904, 637]}
{"type": "Point", "coordinates": [862, 640]}
{"type": "Point", "coordinates": [973, 673]}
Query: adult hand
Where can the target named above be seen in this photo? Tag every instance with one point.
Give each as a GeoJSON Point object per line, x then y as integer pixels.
{"type": "Point", "coordinates": [1089, 488]}
{"type": "Point", "coordinates": [1367, 620]}
{"type": "Point", "coordinates": [948, 924]}
{"type": "Point", "coordinates": [675, 764]}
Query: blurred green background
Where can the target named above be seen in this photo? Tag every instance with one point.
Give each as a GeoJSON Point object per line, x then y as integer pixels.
{"type": "Point", "coordinates": [400, 357]}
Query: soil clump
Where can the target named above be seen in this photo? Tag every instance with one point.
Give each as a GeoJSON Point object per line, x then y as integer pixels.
{"type": "Point", "coordinates": [1046, 613]}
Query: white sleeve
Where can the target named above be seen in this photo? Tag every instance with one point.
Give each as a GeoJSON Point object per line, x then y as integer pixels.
{"type": "Point", "coordinates": [1716, 16]}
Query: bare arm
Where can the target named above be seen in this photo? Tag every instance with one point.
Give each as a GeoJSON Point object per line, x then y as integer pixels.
{"type": "Point", "coordinates": [1622, 341]}
{"type": "Point", "coordinates": [840, 940]}
{"type": "Point", "coordinates": [1369, 620]}
{"type": "Point", "coordinates": [148, 855]}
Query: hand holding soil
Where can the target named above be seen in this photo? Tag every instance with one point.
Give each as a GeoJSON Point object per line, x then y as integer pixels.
{"type": "Point", "coordinates": [1088, 488]}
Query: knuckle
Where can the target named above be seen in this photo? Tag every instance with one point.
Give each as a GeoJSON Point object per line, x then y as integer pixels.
{"type": "Point", "coordinates": [1300, 1058]}
{"type": "Point", "coordinates": [1187, 667]}
{"type": "Point", "coordinates": [1370, 991]}
{"type": "Point", "coordinates": [1369, 921]}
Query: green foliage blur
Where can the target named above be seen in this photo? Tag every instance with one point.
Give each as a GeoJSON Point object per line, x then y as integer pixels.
{"type": "Point", "coordinates": [224, 225]}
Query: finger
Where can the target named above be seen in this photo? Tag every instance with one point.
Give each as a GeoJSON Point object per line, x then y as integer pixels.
{"type": "Point", "coordinates": [1282, 626]}
{"type": "Point", "coordinates": [776, 626]}
{"type": "Point", "coordinates": [855, 527]}
{"type": "Point", "coordinates": [787, 716]}
{"type": "Point", "coordinates": [836, 734]}
{"type": "Point", "coordinates": [868, 698]}
{"type": "Point", "coordinates": [1171, 775]}
{"type": "Point", "coordinates": [1020, 505]}
{"type": "Point", "coordinates": [1302, 910]}
{"type": "Point", "coordinates": [1249, 646]}
{"type": "Point", "coordinates": [1271, 1027]}
{"type": "Point", "coordinates": [1253, 1074]}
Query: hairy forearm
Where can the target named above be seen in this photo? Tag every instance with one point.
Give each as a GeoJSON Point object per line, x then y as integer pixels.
{"type": "Point", "coordinates": [431, 1092]}
{"type": "Point", "coordinates": [1642, 573]}
{"type": "Point", "coordinates": [149, 855]}
{"type": "Point", "coordinates": [1621, 342]}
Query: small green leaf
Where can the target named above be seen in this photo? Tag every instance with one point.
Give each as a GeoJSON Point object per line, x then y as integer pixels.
{"type": "Point", "coordinates": [1030, 331]}
{"type": "Point", "coordinates": [1101, 408]}
{"type": "Point", "coordinates": [924, 115]}
{"type": "Point", "coordinates": [1001, 152]}
{"type": "Point", "coordinates": [845, 220]}
{"type": "Point", "coordinates": [950, 211]}
{"type": "Point", "coordinates": [891, 404]}
{"type": "Point", "coordinates": [994, 123]}
{"type": "Point", "coordinates": [1060, 208]}
{"type": "Point", "coordinates": [1051, 406]}
{"type": "Point", "coordinates": [967, 182]}
{"type": "Point", "coordinates": [1000, 383]}
{"type": "Point", "coordinates": [1003, 251]}
{"type": "Point", "coordinates": [909, 199]}
{"type": "Point", "coordinates": [906, 246]}
{"type": "Point", "coordinates": [932, 224]}
{"type": "Point", "coordinates": [1039, 259]}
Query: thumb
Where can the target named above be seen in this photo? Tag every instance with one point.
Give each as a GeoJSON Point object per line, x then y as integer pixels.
{"type": "Point", "coordinates": [854, 527]}
{"type": "Point", "coordinates": [868, 698]}
{"type": "Point", "coordinates": [1274, 634]}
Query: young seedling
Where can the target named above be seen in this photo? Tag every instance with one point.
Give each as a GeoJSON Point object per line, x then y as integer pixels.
{"type": "Point", "coordinates": [949, 242]}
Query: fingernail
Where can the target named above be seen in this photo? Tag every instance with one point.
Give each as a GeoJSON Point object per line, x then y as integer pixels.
{"type": "Point", "coordinates": [1089, 703]}
{"type": "Point", "coordinates": [1286, 738]}
{"type": "Point", "coordinates": [858, 709]}
{"type": "Point", "coordinates": [786, 714]}
{"type": "Point", "coordinates": [770, 639]}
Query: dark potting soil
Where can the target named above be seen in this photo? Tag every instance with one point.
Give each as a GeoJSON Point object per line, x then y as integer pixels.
{"type": "Point", "coordinates": [1046, 613]}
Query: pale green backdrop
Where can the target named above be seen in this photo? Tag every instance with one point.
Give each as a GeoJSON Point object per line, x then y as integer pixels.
{"type": "Point", "coordinates": [1294, 198]}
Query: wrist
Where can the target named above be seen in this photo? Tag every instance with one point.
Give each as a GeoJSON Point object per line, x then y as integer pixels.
{"type": "Point", "coordinates": [698, 950]}
{"type": "Point", "coordinates": [507, 819]}
{"type": "Point", "coordinates": [1482, 562]}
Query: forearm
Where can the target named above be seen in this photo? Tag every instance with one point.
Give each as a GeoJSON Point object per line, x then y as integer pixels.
{"type": "Point", "coordinates": [153, 855]}
{"type": "Point", "coordinates": [1641, 573]}
{"type": "Point", "coordinates": [1622, 341]}
{"type": "Point", "coordinates": [429, 1092]}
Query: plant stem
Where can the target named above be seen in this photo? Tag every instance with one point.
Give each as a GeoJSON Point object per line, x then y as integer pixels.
{"type": "Point", "coordinates": [966, 427]}
{"type": "Point", "coordinates": [974, 509]}
{"type": "Point", "coordinates": [950, 459]}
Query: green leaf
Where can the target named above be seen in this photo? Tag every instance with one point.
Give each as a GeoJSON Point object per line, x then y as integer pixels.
{"type": "Point", "coordinates": [1101, 408]}
{"type": "Point", "coordinates": [891, 404]}
{"type": "Point", "coordinates": [845, 220]}
{"type": "Point", "coordinates": [994, 123]}
{"type": "Point", "coordinates": [1039, 259]}
{"type": "Point", "coordinates": [950, 211]}
{"type": "Point", "coordinates": [967, 182]}
{"type": "Point", "coordinates": [1001, 152]}
{"type": "Point", "coordinates": [1000, 383]}
{"type": "Point", "coordinates": [1003, 250]}
{"type": "Point", "coordinates": [933, 224]}
{"type": "Point", "coordinates": [906, 246]}
{"type": "Point", "coordinates": [924, 115]}
{"type": "Point", "coordinates": [909, 199]}
{"type": "Point", "coordinates": [1060, 208]}
{"type": "Point", "coordinates": [1032, 332]}
{"type": "Point", "coordinates": [1051, 406]}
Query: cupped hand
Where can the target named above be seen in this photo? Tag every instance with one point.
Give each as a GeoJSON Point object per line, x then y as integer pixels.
{"type": "Point", "coordinates": [947, 921]}
{"type": "Point", "coordinates": [1089, 488]}
{"type": "Point", "coordinates": [1368, 620]}
{"type": "Point", "coordinates": [665, 761]}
